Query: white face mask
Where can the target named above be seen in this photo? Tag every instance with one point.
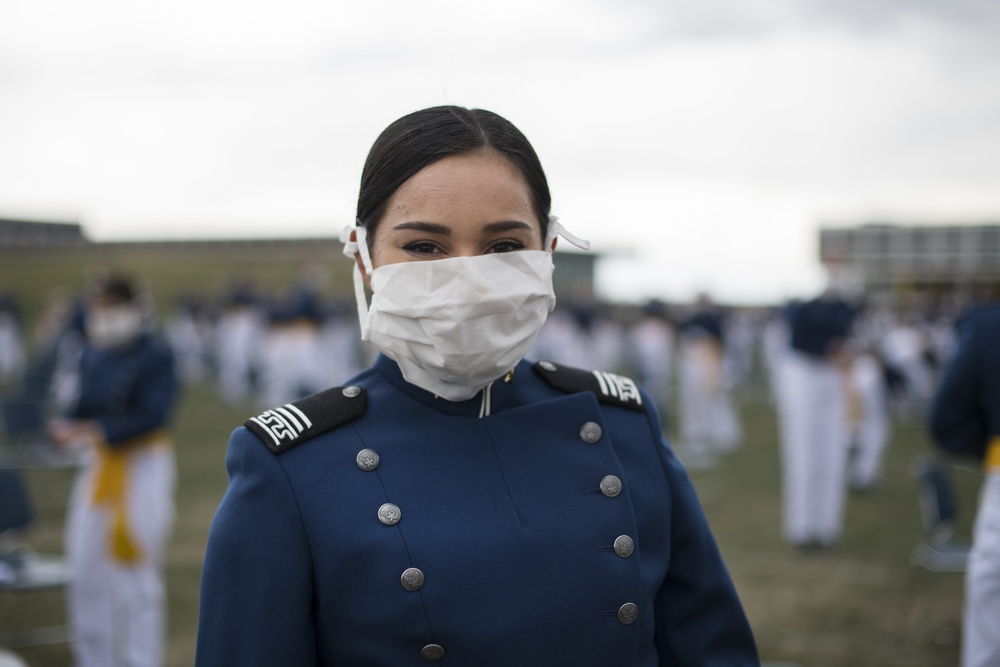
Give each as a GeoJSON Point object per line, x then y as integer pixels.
{"type": "Point", "coordinates": [113, 326]}
{"type": "Point", "coordinates": [455, 325]}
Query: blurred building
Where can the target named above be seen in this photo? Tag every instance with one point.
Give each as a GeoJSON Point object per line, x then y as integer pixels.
{"type": "Point", "coordinates": [33, 240]}
{"type": "Point", "coordinates": [16, 234]}
{"type": "Point", "coordinates": [935, 260]}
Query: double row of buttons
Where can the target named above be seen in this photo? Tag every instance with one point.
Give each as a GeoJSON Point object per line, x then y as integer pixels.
{"type": "Point", "coordinates": [412, 578]}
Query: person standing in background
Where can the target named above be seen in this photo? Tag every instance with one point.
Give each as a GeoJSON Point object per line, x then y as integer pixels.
{"type": "Point", "coordinates": [870, 421]}
{"type": "Point", "coordinates": [709, 425]}
{"type": "Point", "coordinates": [238, 343]}
{"type": "Point", "coordinates": [292, 343]}
{"type": "Point", "coordinates": [122, 507]}
{"type": "Point", "coordinates": [964, 420]}
{"type": "Point", "coordinates": [815, 433]}
{"type": "Point", "coordinates": [651, 347]}
{"type": "Point", "coordinates": [13, 357]}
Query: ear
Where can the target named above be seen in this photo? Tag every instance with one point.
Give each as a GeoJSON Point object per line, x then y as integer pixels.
{"type": "Point", "coordinates": [361, 265]}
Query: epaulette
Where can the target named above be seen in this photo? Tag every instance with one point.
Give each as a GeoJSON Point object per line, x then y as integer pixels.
{"type": "Point", "coordinates": [294, 423]}
{"type": "Point", "coordinates": [608, 387]}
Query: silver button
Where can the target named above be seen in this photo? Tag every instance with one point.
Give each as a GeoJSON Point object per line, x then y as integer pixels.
{"type": "Point", "coordinates": [412, 579]}
{"type": "Point", "coordinates": [389, 514]}
{"type": "Point", "coordinates": [624, 546]}
{"type": "Point", "coordinates": [352, 392]}
{"type": "Point", "coordinates": [627, 613]}
{"type": "Point", "coordinates": [611, 486]}
{"type": "Point", "coordinates": [547, 366]}
{"type": "Point", "coordinates": [367, 459]}
{"type": "Point", "coordinates": [433, 652]}
{"type": "Point", "coordinates": [590, 432]}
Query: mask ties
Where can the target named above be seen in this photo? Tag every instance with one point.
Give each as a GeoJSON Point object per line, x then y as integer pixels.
{"type": "Point", "coordinates": [360, 246]}
{"type": "Point", "coordinates": [556, 229]}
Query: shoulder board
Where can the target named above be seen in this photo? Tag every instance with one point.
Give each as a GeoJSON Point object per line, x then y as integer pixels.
{"type": "Point", "coordinates": [608, 387]}
{"type": "Point", "coordinates": [294, 423]}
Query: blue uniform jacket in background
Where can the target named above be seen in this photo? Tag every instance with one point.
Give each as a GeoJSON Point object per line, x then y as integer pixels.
{"type": "Point", "coordinates": [818, 324]}
{"type": "Point", "coordinates": [965, 412]}
{"type": "Point", "coordinates": [523, 559]}
{"type": "Point", "coordinates": [130, 391]}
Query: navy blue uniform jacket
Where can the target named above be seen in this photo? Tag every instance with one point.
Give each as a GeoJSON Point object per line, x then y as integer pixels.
{"type": "Point", "coordinates": [504, 516]}
{"type": "Point", "coordinates": [130, 391]}
{"type": "Point", "coordinates": [817, 325]}
{"type": "Point", "coordinates": [965, 412]}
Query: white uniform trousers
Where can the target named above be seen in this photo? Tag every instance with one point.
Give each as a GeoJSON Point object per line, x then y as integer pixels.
{"type": "Point", "coordinates": [814, 450]}
{"type": "Point", "coordinates": [709, 424]}
{"type": "Point", "coordinates": [116, 611]}
{"type": "Point", "coordinates": [871, 434]}
{"type": "Point", "coordinates": [237, 348]}
{"type": "Point", "coordinates": [981, 626]}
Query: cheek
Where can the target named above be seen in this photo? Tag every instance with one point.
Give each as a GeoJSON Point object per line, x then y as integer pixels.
{"type": "Point", "coordinates": [376, 248]}
{"type": "Point", "coordinates": [383, 253]}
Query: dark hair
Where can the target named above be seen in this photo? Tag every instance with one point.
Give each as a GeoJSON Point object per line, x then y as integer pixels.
{"type": "Point", "coordinates": [116, 287]}
{"type": "Point", "coordinates": [423, 137]}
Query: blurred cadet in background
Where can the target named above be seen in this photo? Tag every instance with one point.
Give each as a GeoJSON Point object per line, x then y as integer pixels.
{"type": "Point", "coordinates": [189, 331]}
{"type": "Point", "coordinates": [709, 426]}
{"type": "Point", "coordinates": [238, 341]}
{"type": "Point", "coordinates": [741, 333]}
{"type": "Point", "coordinates": [292, 343]}
{"type": "Point", "coordinates": [341, 351]}
{"type": "Point", "coordinates": [651, 352]}
{"type": "Point", "coordinates": [566, 336]}
{"type": "Point", "coordinates": [121, 507]}
{"type": "Point", "coordinates": [965, 421]}
{"type": "Point", "coordinates": [906, 348]}
{"type": "Point", "coordinates": [52, 381]}
{"type": "Point", "coordinates": [775, 348]}
{"type": "Point", "coordinates": [870, 422]}
{"type": "Point", "coordinates": [815, 434]}
{"type": "Point", "coordinates": [12, 347]}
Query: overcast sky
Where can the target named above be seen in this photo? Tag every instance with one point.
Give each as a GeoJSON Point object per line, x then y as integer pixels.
{"type": "Point", "coordinates": [699, 144]}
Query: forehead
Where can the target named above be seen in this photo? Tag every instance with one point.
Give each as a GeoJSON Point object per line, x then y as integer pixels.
{"type": "Point", "coordinates": [484, 182]}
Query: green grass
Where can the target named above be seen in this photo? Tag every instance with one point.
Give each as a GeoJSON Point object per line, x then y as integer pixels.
{"type": "Point", "coordinates": [863, 605]}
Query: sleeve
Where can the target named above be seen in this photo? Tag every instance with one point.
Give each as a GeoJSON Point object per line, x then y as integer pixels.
{"type": "Point", "coordinates": [256, 584]}
{"type": "Point", "coordinates": [957, 418]}
{"type": "Point", "coordinates": [700, 620]}
{"type": "Point", "coordinates": [149, 407]}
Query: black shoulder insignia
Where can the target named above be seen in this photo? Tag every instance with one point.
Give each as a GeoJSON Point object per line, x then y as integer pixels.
{"type": "Point", "coordinates": [608, 387]}
{"type": "Point", "coordinates": [294, 423]}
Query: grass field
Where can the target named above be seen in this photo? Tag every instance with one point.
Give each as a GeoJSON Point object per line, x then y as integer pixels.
{"type": "Point", "coordinates": [863, 605]}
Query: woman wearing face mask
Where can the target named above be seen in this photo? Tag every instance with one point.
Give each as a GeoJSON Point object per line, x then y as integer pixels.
{"type": "Point", "coordinates": [122, 506]}
{"type": "Point", "coordinates": [455, 502]}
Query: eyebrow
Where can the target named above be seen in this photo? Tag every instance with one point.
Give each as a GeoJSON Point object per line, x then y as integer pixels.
{"type": "Point", "coordinates": [491, 228]}
{"type": "Point", "coordinates": [429, 227]}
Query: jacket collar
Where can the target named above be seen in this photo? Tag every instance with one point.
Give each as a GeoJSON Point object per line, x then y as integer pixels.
{"type": "Point", "coordinates": [501, 392]}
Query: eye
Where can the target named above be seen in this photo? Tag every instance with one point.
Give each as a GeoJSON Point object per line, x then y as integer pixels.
{"type": "Point", "coordinates": [506, 245]}
{"type": "Point", "coordinates": [421, 248]}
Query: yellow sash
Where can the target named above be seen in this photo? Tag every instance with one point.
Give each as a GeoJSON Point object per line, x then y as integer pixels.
{"type": "Point", "coordinates": [992, 460]}
{"type": "Point", "coordinates": [111, 489]}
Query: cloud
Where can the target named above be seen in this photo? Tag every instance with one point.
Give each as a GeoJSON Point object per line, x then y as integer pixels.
{"type": "Point", "coordinates": [722, 134]}
{"type": "Point", "coordinates": [722, 19]}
